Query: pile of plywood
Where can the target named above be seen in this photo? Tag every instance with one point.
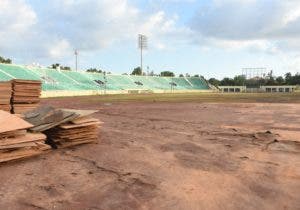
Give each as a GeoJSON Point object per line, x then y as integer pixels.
{"type": "Point", "coordinates": [15, 141]}
{"type": "Point", "coordinates": [25, 95]}
{"type": "Point", "coordinates": [64, 127]}
{"type": "Point", "coordinates": [78, 131]}
{"type": "Point", "coordinates": [46, 117]}
{"type": "Point", "coordinates": [5, 96]}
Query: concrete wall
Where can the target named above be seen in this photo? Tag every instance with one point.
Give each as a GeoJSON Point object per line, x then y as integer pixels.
{"type": "Point", "coordinates": [232, 89]}
{"type": "Point", "coordinates": [261, 89]}
{"type": "Point", "coordinates": [64, 93]}
{"type": "Point", "coordinates": [278, 89]}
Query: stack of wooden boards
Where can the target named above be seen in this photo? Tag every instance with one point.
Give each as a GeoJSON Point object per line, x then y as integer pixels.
{"type": "Point", "coordinates": [21, 138]}
{"type": "Point", "coordinates": [25, 95]}
{"type": "Point", "coordinates": [5, 96]}
{"type": "Point", "coordinates": [16, 142]}
{"type": "Point", "coordinates": [64, 127]}
{"type": "Point", "coordinates": [83, 129]}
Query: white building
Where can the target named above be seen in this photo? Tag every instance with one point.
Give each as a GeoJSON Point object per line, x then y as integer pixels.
{"type": "Point", "coordinates": [268, 89]}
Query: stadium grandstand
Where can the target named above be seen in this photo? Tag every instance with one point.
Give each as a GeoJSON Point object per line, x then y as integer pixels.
{"type": "Point", "coordinates": [70, 83]}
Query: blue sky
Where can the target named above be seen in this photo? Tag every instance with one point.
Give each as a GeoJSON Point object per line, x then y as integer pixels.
{"type": "Point", "coordinates": [213, 38]}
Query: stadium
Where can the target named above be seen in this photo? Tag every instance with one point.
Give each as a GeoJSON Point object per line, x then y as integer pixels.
{"type": "Point", "coordinates": [74, 136]}
{"type": "Point", "coordinates": [68, 83]}
{"type": "Point", "coordinates": [154, 126]}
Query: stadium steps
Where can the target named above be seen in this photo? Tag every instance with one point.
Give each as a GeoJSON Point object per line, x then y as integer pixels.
{"type": "Point", "coordinates": [18, 72]}
{"type": "Point", "coordinates": [198, 83]}
{"type": "Point", "coordinates": [182, 83]}
{"type": "Point", "coordinates": [79, 81]}
{"type": "Point", "coordinates": [82, 80]}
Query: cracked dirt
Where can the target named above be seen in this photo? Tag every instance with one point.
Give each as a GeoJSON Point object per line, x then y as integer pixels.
{"type": "Point", "coordinates": [158, 155]}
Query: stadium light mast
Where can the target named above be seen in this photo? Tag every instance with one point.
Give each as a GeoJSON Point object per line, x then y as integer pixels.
{"type": "Point", "coordinates": [142, 44]}
{"type": "Point", "coordinates": [76, 59]}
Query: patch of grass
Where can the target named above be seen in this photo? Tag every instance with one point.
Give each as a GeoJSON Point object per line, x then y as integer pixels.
{"type": "Point", "coordinates": [196, 97]}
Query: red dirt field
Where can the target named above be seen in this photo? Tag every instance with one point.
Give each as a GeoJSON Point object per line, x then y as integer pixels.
{"type": "Point", "coordinates": [167, 155]}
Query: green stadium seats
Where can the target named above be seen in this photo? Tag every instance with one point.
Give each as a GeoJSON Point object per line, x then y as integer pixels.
{"type": "Point", "coordinates": [182, 83]}
{"type": "Point", "coordinates": [18, 72]}
{"type": "Point", "coordinates": [198, 83]}
{"type": "Point", "coordinates": [4, 76]}
{"type": "Point", "coordinates": [53, 79]}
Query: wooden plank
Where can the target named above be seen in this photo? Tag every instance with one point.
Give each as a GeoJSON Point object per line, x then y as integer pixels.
{"type": "Point", "coordinates": [69, 126]}
{"type": "Point", "coordinates": [20, 154]}
{"type": "Point", "coordinates": [9, 122]}
{"type": "Point", "coordinates": [46, 117]}
{"type": "Point", "coordinates": [19, 145]}
{"type": "Point", "coordinates": [81, 113]}
{"type": "Point", "coordinates": [29, 137]}
{"type": "Point", "coordinates": [12, 134]}
{"type": "Point", "coordinates": [81, 120]}
{"type": "Point", "coordinates": [16, 81]}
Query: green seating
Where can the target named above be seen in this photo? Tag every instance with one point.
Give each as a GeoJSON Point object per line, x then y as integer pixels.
{"type": "Point", "coordinates": [198, 83]}
{"type": "Point", "coordinates": [53, 79]}
{"type": "Point", "coordinates": [182, 83]}
{"type": "Point", "coordinates": [4, 77]}
{"type": "Point", "coordinates": [18, 72]}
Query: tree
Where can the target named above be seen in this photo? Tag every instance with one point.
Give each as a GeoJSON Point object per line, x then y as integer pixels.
{"type": "Point", "coordinates": [227, 82]}
{"type": "Point", "coordinates": [288, 78]}
{"type": "Point", "coordinates": [167, 74]}
{"type": "Point", "coordinates": [94, 70]}
{"type": "Point", "coordinates": [187, 75]}
{"type": "Point", "coordinates": [67, 68]}
{"type": "Point", "coordinates": [296, 79]}
{"type": "Point", "coordinates": [239, 80]}
{"type": "Point", "coordinates": [181, 75]}
{"type": "Point", "coordinates": [292, 80]}
{"type": "Point", "coordinates": [271, 81]}
{"type": "Point", "coordinates": [262, 81]}
{"type": "Point", "coordinates": [56, 65]}
{"type": "Point", "coordinates": [196, 75]}
{"type": "Point", "coordinates": [214, 81]}
{"type": "Point", "coordinates": [137, 71]}
{"type": "Point", "coordinates": [3, 60]}
{"type": "Point", "coordinates": [280, 80]}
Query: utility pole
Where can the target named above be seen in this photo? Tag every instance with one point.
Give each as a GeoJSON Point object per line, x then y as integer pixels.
{"type": "Point", "coordinates": [105, 81]}
{"type": "Point", "coordinates": [147, 70]}
{"type": "Point", "coordinates": [76, 59]}
{"type": "Point", "coordinates": [142, 61]}
{"type": "Point", "coordinates": [142, 44]}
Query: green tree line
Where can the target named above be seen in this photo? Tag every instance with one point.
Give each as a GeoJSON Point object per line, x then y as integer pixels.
{"type": "Point", "coordinates": [240, 80]}
{"type": "Point", "coordinates": [5, 60]}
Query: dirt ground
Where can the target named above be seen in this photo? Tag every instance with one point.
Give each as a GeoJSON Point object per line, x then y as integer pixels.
{"type": "Point", "coordinates": [167, 155]}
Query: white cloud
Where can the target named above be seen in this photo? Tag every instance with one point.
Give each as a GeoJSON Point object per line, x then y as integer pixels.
{"type": "Point", "coordinates": [16, 16]}
{"type": "Point", "coordinates": [55, 29]}
{"type": "Point", "coordinates": [267, 25]}
{"type": "Point", "coordinates": [16, 20]}
{"type": "Point", "coordinates": [59, 26]}
{"type": "Point", "coordinates": [106, 22]}
{"type": "Point", "coordinates": [59, 48]}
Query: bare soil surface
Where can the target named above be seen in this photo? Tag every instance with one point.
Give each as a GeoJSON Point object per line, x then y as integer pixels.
{"type": "Point", "coordinates": [161, 155]}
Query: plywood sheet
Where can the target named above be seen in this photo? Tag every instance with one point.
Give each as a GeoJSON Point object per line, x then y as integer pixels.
{"type": "Point", "coordinates": [9, 122]}
{"type": "Point", "coordinates": [46, 117]}
{"type": "Point", "coordinates": [81, 112]}
{"type": "Point", "coordinates": [69, 126]}
{"type": "Point", "coordinates": [27, 137]}
{"type": "Point", "coordinates": [81, 120]}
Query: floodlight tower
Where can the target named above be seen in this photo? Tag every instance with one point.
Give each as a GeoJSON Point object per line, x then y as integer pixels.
{"type": "Point", "coordinates": [142, 44]}
{"type": "Point", "coordinates": [76, 59]}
